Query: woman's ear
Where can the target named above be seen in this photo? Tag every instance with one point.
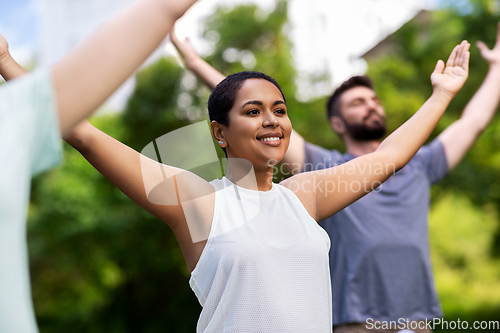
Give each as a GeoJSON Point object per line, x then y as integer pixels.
{"type": "Point", "coordinates": [218, 133]}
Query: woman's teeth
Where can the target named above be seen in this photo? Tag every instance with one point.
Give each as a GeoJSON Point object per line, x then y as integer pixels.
{"type": "Point", "coordinates": [270, 139]}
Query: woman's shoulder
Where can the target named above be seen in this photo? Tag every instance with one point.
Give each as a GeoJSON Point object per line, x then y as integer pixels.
{"type": "Point", "coordinates": [217, 184]}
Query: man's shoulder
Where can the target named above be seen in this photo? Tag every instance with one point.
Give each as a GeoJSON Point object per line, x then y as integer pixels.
{"type": "Point", "coordinates": [317, 157]}
{"type": "Point", "coordinates": [433, 150]}
{"type": "Point", "coordinates": [431, 159]}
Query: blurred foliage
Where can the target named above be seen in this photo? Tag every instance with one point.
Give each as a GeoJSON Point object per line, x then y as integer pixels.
{"type": "Point", "coordinates": [246, 38]}
{"type": "Point", "coordinates": [466, 274]}
{"type": "Point", "coordinates": [99, 263]}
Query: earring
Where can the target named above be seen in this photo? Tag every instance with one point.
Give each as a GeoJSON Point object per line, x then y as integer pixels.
{"type": "Point", "coordinates": [221, 142]}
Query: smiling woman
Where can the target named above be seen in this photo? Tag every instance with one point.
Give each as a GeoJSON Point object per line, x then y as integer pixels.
{"type": "Point", "coordinates": [258, 258]}
{"type": "Point", "coordinates": [252, 124]}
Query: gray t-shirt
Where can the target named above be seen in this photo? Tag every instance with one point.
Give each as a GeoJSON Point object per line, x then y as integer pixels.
{"type": "Point", "coordinates": [379, 258]}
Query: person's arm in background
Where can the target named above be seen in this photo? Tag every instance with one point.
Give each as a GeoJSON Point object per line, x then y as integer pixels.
{"type": "Point", "coordinates": [294, 157]}
{"type": "Point", "coordinates": [323, 193]}
{"type": "Point", "coordinates": [86, 77]}
{"type": "Point", "coordinates": [9, 68]}
{"type": "Point", "coordinates": [458, 138]}
{"type": "Point", "coordinates": [130, 172]}
{"type": "Point", "coordinates": [193, 62]}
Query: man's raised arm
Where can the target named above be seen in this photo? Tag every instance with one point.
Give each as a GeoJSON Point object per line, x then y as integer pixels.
{"type": "Point", "coordinates": [193, 62]}
{"type": "Point", "coordinates": [461, 135]}
{"type": "Point", "coordinates": [294, 157]}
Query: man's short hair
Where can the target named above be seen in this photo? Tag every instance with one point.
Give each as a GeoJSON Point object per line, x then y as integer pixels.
{"type": "Point", "coordinates": [333, 104]}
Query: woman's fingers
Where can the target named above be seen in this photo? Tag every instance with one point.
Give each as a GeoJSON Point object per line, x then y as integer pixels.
{"type": "Point", "coordinates": [452, 57]}
{"type": "Point", "coordinates": [465, 65]}
{"type": "Point", "coordinates": [464, 55]}
{"type": "Point", "coordinates": [439, 67]}
{"type": "Point", "coordinates": [459, 56]}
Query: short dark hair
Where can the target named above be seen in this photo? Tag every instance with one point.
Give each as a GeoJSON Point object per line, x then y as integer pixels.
{"type": "Point", "coordinates": [333, 104]}
{"type": "Point", "coordinates": [223, 96]}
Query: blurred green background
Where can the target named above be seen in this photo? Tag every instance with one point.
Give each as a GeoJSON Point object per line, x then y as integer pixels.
{"type": "Point", "coordinates": [99, 263]}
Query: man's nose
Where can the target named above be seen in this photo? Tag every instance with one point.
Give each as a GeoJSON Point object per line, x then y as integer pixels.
{"type": "Point", "coordinates": [372, 105]}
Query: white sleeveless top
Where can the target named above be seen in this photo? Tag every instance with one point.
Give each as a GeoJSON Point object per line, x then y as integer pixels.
{"type": "Point", "coordinates": [265, 265]}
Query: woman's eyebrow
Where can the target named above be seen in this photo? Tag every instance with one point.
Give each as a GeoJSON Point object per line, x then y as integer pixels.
{"type": "Point", "coordinates": [260, 103]}
{"type": "Point", "coordinates": [252, 102]}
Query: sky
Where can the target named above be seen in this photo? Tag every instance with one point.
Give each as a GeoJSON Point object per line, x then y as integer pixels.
{"type": "Point", "coordinates": [345, 37]}
{"type": "Point", "coordinates": [18, 24]}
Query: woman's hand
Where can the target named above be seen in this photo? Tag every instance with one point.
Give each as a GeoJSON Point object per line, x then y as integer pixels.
{"type": "Point", "coordinates": [449, 79]}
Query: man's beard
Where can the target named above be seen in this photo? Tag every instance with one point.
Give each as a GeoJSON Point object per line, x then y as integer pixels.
{"type": "Point", "coordinates": [363, 132]}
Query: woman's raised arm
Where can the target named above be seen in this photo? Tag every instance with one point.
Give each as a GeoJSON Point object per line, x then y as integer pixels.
{"type": "Point", "coordinates": [158, 188]}
{"type": "Point", "coordinates": [327, 191]}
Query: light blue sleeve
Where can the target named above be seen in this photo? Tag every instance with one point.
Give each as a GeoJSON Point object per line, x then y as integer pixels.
{"type": "Point", "coordinates": [46, 144]}
{"type": "Point", "coordinates": [29, 122]}
{"type": "Point", "coordinates": [29, 143]}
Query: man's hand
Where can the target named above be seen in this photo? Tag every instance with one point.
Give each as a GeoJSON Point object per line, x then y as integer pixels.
{"type": "Point", "coordinates": [206, 73]}
{"type": "Point", "coordinates": [491, 56]}
{"type": "Point", "coordinates": [459, 137]}
{"type": "Point", "coordinates": [186, 51]}
{"type": "Point", "coordinates": [450, 78]}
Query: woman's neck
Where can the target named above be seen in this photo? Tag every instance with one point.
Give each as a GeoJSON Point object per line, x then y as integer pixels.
{"type": "Point", "coordinates": [245, 175]}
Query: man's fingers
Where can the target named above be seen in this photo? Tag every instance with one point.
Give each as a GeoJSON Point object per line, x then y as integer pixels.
{"type": "Point", "coordinates": [481, 46]}
{"type": "Point", "coordinates": [173, 37]}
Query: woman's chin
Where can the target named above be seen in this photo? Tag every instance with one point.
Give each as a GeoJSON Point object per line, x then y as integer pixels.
{"type": "Point", "coordinates": [273, 159]}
